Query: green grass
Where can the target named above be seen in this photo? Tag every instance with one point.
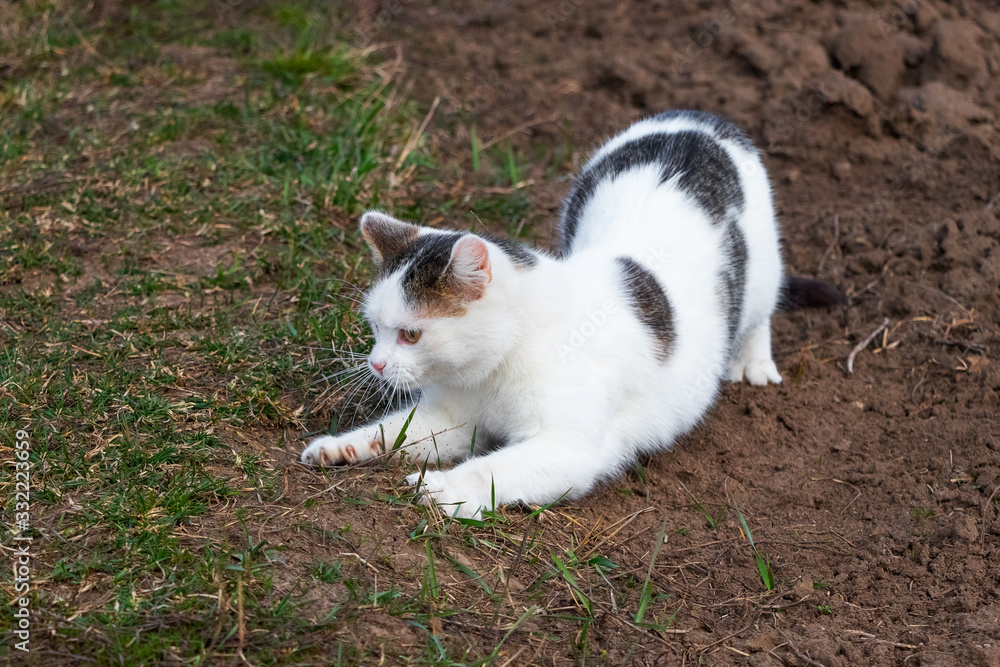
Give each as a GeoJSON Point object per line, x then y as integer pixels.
{"type": "Point", "coordinates": [179, 270]}
{"type": "Point", "coordinates": [762, 562]}
{"type": "Point", "coordinates": [647, 591]}
{"type": "Point", "coordinates": [713, 521]}
{"type": "Point", "coordinates": [166, 261]}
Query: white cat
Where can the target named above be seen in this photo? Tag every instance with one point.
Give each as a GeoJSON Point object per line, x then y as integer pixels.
{"type": "Point", "coordinates": [567, 368]}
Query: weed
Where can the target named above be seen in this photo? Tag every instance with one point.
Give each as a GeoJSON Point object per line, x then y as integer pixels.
{"type": "Point", "coordinates": [327, 572]}
{"type": "Point", "coordinates": [763, 563]}
{"type": "Point", "coordinates": [713, 521]}
{"type": "Point", "coordinates": [647, 591]}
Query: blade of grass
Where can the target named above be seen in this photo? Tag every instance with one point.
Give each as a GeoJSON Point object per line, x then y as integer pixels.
{"type": "Point", "coordinates": [646, 592]}
{"type": "Point", "coordinates": [475, 148]}
{"type": "Point", "coordinates": [469, 572]}
{"type": "Point", "coordinates": [763, 564]}
{"type": "Point", "coordinates": [401, 438]}
{"type": "Point", "coordinates": [574, 586]}
{"type": "Point", "coordinates": [521, 619]}
{"type": "Point", "coordinates": [430, 578]}
{"type": "Point", "coordinates": [713, 522]}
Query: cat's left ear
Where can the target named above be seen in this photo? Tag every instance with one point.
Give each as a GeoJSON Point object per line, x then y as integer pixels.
{"type": "Point", "coordinates": [386, 236]}
{"type": "Point", "coordinates": [469, 269]}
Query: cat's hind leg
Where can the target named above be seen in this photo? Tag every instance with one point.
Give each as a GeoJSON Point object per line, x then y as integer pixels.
{"type": "Point", "coordinates": [754, 359]}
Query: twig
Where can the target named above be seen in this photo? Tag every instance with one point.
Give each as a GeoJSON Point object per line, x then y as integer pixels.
{"type": "Point", "coordinates": [982, 536]}
{"type": "Point", "coordinates": [242, 623]}
{"type": "Point", "coordinates": [939, 293]}
{"type": "Point", "coordinates": [512, 569]}
{"type": "Point", "coordinates": [649, 634]}
{"type": "Point", "coordinates": [868, 635]}
{"type": "Point", "coordinates": [833, 243]}
{"type": "Point", "coordinates": [863, 344]}
{"type": "Point", "coordinates": [799, 654]}
{"type": "Point", "coordinates": [415, 137]}
{"type": "Point", "coordinates": [878, 279]}
{"type": "Point", "coordinates": [626, 522]}
{"type": "Point", "coordinates": [703, 649]}
{"type": "Point", "coordinates": [520, 128]}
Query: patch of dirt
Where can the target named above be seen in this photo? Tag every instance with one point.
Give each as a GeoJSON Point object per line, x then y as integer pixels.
{"type": "Point", "coordinates": [878, 122]}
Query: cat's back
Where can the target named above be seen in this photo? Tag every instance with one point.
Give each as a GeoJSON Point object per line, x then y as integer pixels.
{"type": "Point", "coordinates": [661, 170]}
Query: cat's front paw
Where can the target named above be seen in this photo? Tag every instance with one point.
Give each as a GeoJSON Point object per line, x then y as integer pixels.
{"type": "Point", "coordinates": [334, 450]}
{"type": "Point", "coordinates": [458, 493]}
{"type": "Point", "coordinates": [756, 372]}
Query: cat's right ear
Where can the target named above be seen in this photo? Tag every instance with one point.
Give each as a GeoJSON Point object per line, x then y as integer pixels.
{"type": "Point", "coordinates": [386, 236]}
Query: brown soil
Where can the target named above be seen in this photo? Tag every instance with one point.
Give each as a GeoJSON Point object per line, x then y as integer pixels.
{"type": "Point", "coordinates": [871, 492]}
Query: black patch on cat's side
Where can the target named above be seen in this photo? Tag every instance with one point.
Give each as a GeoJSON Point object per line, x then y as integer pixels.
{"type": "Point", "coordinates": [703, 168]}
{"type": "Point", "coordinates": [734, 280]}
{"type": "Point", "coordinates": [520, 254]}
{"type": "Point", "coordinates": [722, 127]}
{"type": "Point", "coordinates": [650, 304]}
{"type": "Point", "coordinates": [426, 260]}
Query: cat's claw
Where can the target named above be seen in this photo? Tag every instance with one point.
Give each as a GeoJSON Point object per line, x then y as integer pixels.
{"type": "Point", "coordinates": [756, 372]}
{"type": "Point", "coordinates": [457, 495]}
{"type": "Point", "coordinates": [331, 450]}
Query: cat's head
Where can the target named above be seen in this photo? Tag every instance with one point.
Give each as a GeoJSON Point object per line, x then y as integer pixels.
{"type": "Point", "coordinates": [440, 304]}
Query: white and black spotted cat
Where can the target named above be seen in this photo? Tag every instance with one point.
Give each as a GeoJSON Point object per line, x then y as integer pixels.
{"type": "Point", "coordinates": [567, 367]}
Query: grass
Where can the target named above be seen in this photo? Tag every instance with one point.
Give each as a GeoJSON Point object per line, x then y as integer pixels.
{"type": "Point", "coordinates": [179, 274]}
{"type": "Point", "coordinates": [713, 521]}
{"type": "Point", "coordinates": [647, 591]}
{"type": "Point", "coordinates": [762, 562]}
{"type": "Point", "coordinates": [179, 268]}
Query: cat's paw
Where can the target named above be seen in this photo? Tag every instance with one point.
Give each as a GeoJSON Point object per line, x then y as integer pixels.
{"type": "Point", "coordinates": [334, 450]}
{"type": "Point", "coordinates": [458, 493]}
{"type": "Point", "coordinates": [756, 371]}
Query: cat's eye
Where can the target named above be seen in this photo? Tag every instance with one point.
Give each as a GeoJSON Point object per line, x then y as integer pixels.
{"type": "Point", "coordinates": [409, 336]}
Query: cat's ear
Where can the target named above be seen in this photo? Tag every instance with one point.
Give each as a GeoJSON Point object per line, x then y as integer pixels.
{"type": "Point", "coordinates": [469, 268]}
{"type": "Point", "coordinates": [386, 236]}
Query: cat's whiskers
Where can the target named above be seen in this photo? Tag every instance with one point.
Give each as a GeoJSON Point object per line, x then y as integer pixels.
{"type": "Point", "coordinates": [362, 391]}
{"type": "Point", "coordinates": [346, 374]}
{"type": "Point", "coordinates": [356, 385]}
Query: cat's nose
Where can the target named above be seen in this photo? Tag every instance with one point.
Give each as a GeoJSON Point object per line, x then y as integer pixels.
{"type": "Point", "coordinates": [378, 366]}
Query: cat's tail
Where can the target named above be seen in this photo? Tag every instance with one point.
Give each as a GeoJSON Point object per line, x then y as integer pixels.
{"type": "Point", "coordinates": [797, 293]}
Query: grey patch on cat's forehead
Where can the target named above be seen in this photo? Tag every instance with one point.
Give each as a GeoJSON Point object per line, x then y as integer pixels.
{"type": "Point", "coordinates": [432, 246]}
{"type": "Point", "coordinates": [520, 254]}
{"type": "Point", "coordinates": [423, 263]}
{"type": "Point", "coordinates": [649, 301]}
{"type": "Point", "coordinates": [702, 167]}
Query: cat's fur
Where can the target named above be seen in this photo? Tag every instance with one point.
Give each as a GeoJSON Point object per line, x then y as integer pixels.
{"type": "Point", "coordinates": [569, 367]}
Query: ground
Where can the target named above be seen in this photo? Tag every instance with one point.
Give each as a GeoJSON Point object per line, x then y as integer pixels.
{"type": "Point", "coordinates": [180, 184]}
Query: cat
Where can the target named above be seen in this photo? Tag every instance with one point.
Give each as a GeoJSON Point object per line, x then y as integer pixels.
{"type": "Point", "coordinates": [566, 367]}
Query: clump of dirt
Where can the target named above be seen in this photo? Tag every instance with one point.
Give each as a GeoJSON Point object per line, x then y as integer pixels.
{"type": "Point", "coordinates": [871, 493]}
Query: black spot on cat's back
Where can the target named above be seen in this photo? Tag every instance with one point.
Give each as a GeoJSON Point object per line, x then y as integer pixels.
{"type": "Point", "coordinates": [649, 301]}
{"type": "Point", "coordinates": [702, 167]}
{"type": "Point", "coordinates": [720, 126]}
